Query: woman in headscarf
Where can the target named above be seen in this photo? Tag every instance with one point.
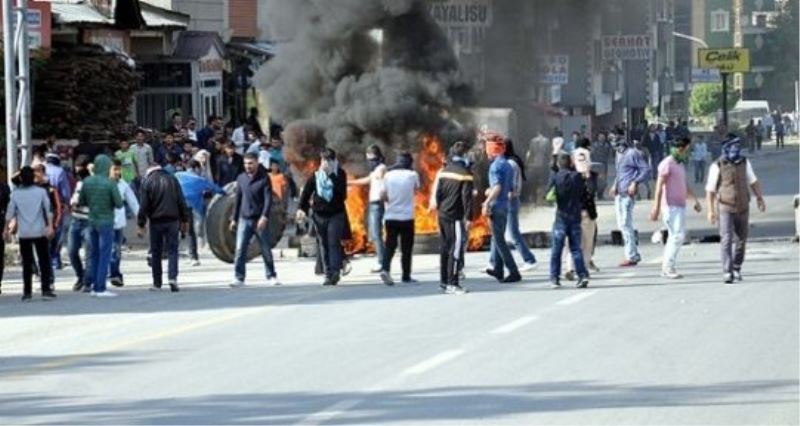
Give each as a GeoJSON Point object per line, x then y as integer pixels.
{"type": "Point", "coordinates": [325, 193]}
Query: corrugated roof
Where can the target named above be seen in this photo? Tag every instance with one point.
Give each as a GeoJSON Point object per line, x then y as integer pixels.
{"type": "Point", "coordinates": [79, 13]}
{"type": "Point", "coordinates": [158, 17]}
{"type": "Point", "coordinates": [195, 44]}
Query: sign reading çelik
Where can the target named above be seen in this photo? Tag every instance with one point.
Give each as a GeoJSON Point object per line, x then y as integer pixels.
{"type": "Point", "coordinates": [725, 60]}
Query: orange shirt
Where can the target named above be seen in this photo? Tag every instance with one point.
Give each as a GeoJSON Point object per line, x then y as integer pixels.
{"type": "Point", "coordinates": [279, 184]}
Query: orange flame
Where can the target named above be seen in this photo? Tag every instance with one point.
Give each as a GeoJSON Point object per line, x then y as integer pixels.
{"type": "Point", "coordinates": [479, 233]}
{"type": "Point", "coordinates": [429, 161]}
{"type": "Point", "coordinates": [356, 205]}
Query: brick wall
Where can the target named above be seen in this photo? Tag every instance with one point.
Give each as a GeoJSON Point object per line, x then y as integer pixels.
{"type": "Point", "coordinates": [244, 18]}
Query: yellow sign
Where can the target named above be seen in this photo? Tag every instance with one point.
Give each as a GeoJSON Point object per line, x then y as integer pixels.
{"type": "Point", "coordinates": [725, 60]}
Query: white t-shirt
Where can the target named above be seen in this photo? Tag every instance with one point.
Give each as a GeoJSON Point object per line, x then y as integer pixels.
{"type": "Point", "coordinates": [558, 144]}
{"type": "Point", "coordinates": [376, 183]}
{"type": "Point", "coordinates": [713, 176]}
{"type": "Point", "coordinates": [400, 186]}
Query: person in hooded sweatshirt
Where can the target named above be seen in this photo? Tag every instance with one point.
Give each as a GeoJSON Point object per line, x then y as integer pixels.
{"type": "Point", "coordinates": [101, 195]}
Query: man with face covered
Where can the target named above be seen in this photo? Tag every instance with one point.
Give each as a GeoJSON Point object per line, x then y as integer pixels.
{"type": "Point", "coordinates": [375, 211]}
{"type": "Point", "coordinates": [325, 193]}
{"type": "Point", "coordinates": [632, 170]}
{"type": "Point", "coordinates": [730, 180]}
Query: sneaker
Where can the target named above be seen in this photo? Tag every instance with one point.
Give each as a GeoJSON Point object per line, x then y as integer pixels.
{"type": "Point", "coordinates": [346, 268]}
{"type": "Point", "coordinates": [237, 284]}
{"type": "Point", "coordinates": [569, 276]}
{"type": "Point", "coordinates": [386, 278]}
{"type": "Point", "coordinates": [78, 286]}
{"type": "Point", "coordinates": [737, 275]}
{"type": "Point", "coordinates": [513, 278]}
{"type": "Point", "coordinates": [628, 263]}
{"type": "Point", "coordinates": [194, 262]}
{"type": "Point", "coordinates": [528, 267]}
{"type": "Point", "coordinates": [103, 294]}
{"type": "Point", "coordinates": [116, 281]}
{"type": "Point", "coordinates": [409, 280]}
{"type": "Point", "coordinates": [583, 282]}
{"type": "Point", "coordinates": [87, 289]}
{"type": "Point", "coordinates": [155, 287]}
{"type": "Point", "coordinates": [376, 269]}
{"type": "Point", "coordinates": [273, 281]}
{"type": "Point", "coordinates": [173, 286]}
{"type": "Point", "coordinates": [490, 272]}
{"type": "Point", "coordinates": [328, 281]}
{"type": "Point", "coordinates": [671, 274]}
{"type": "Point", "coordinates": [48, 295]}
{"type": "Point", "coordinates": [727, 278]}
{"type": "Point", "coordinates": [26, 297]}
{"type": "Point", "coordinates": [455, 289]}
{"type": "Point", "coordinates": [593, 267]}
{"type": "Point", "coordinates": [556, 283]}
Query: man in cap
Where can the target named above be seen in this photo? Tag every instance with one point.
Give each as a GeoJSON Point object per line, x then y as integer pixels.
{"type": "Point", "coordinates": [501, 177]}
{"type": "Point", "coordinates": [730, 180]}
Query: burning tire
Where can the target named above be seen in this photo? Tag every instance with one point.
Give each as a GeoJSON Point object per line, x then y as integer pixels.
{"type": "Point", "coordinates": [222, 240]}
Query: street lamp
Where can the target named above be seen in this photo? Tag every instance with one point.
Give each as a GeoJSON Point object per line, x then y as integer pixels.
{"type": "Point", "coordinates": [665, 85]}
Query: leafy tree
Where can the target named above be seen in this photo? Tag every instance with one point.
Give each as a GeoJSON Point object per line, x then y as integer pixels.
{"type": "Point", "coordinates": [707, 99]}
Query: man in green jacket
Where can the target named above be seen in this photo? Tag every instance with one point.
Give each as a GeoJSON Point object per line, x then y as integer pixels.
{"type": "Point", "coordinates": [101, 196]}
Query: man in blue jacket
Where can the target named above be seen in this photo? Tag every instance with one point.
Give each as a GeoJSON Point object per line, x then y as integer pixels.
{"type": "Point", "coordinates": [632, 170]}
{"type": "Point", "coordinates": [195, 187]}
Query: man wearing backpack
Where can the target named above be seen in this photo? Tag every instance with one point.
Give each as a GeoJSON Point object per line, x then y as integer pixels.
{"type": "Point", "coordinates": [730, 180]}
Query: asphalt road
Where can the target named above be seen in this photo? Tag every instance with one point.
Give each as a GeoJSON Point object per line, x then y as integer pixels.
{"type": "Point", "coordinates": [631, 349]}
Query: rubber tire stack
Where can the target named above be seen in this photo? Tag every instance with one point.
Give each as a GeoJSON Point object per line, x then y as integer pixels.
{"type": "Point", "coordinates": [222, 241]}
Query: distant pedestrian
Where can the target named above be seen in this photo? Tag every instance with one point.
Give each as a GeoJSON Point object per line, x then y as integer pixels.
{"type": "Point", "coordinates": [130, 208]}
{"type": "Point", "coordinates": [780, 133]}
{"type": "Point", "coordinates": [760, 131]}
{"type": "Point", "coordinates": [80, 233]}
{"type": "Point", "coordinates": [632, 170]}
{"type": "Point", "coordinates": [28, 216]}
{"type": "Point", "coordinates": [569, 189]}
{"type": "Point", "coordinates": [453, 200]}
{"type": "Point", "coordinates": [127, 156]}
{"type": "Point", "coordinates": [699, 156]}
{"type": "Point", "coordinates": [672, 191]}
{"type": "Point", "coordinates": [400, 184]}
{"type": "Point", "coordinates": [229, 165]}
{"type": "Point", "coordinates": [144, 157]}
{"type": "Point", "coordinates": [163, 206]}
{"type": "Point", "coordinates": [325, 193]}
{"type": "Point", "coordinates": [376, 209]}
{"type": "Point", "coordinates": [730, 180]}
{"type": "Point", "coordinates": [59, 182]}
{"type": "Point", "coordinates": [101, 196]}
{"type": "Point", "coordinates": [501, 185]}
{"type": "Point", "coordinates": [251, 217]}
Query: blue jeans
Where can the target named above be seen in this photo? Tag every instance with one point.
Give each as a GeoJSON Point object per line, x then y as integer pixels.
{"type": "Point", "coordinates": [499, 218]}
{"type": "Point", "coordinates": [79, 235]}
{"type": "Point", "coordinates": [514, 235]}
{"type": "Point", "coordinates": [102, 237]}
{"type": "Point", "coordinates": [245, 230]}
{"type": "Point", "coordinates": [164, 236]}
{"type": "Point", "coordinates": [567, 228]}
{"type": "Point", "coordinates": [375, 224]}
{"type": "Point", "coordinates": [116, 253]}
{"type": "Point", "coordinates": [624, 206]}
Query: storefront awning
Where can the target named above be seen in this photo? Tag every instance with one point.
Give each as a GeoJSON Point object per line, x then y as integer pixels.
{"type": "Point", "coordinates": [79, 13]}
{"type": "Point", "coordinates": [261, 49]}
{"type": "Point", "coordinates": [196, 44]}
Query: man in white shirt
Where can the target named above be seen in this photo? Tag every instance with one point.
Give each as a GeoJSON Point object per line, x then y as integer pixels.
{"type": "Point", "coordinates": [376, 209]}
{"type": "Point", "coordinates": [400, 185]}
{"type": "Point", "coordinates": [730, 180]}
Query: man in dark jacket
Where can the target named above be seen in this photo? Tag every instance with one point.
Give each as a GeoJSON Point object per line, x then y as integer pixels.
{"type": "Point", "coordinates": [570, 192]}
{"type": "Point", "coordinates": [251, 218]}
{"type": "Point", "coordinates": [454, 203]}
{"type": "Point", "coordinates": [325, 193]}
{"type": "Point", "coordinates": [229, 165]}
{"type": "Point", "coordinates": [162, 204]}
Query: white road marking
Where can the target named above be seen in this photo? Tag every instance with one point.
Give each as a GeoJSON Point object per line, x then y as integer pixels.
{"type": "Point", "coordinates": [655, 261]}
{"type": "Point", "coordinates": [575, 298]}
{"type": "Point", "coordinates": [432, 362]}
{"type": "Point", "coordinates": [513, 325]}
{"type": "Point", "coordinates": [330, 412]}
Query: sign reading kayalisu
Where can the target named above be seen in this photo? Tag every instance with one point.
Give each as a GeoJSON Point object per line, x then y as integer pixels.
{"type": "Point", "coordinates": [629, 47]}
{"type": "Point", "coordinates": [461, 12]}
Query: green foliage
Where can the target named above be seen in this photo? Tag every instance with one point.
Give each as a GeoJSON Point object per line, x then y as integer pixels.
{"type": "Point", "coordinates": [707, 99]}
{"type": "Point", "coordinates": [782, 44]}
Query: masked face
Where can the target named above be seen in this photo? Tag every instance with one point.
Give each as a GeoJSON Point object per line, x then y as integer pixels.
{"type": "Point", "coordinates": [327, 166]}
{"type": "Point", "coordinates": [733, 152]}
{"type": "Point", "coordinates": [373, 162]}
{"type": "Point", "coordinates": [679, 154]}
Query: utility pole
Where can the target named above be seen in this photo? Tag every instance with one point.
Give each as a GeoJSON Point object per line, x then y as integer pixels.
{"type": "Point", "coordinates": [724, 76]}
{"type": "Point", "coordinates": [17, 84]}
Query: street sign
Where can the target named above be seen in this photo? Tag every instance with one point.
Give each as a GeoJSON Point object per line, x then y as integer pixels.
{"type": "Point", "coordinates": [631, 47]}
{"type": "Point", "coordinates": [700, 75]}
{"type": "Point", "coordinates": [725, 60]}
{"type": "Point", "coordinates": [554, 69]}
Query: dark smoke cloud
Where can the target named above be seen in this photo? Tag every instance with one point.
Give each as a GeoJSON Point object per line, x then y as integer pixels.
{"type": "Point", "coordinates": [332, 83]}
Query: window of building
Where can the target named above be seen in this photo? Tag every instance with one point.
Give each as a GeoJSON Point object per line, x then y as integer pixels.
{"type": "Point", "coordinates": [720, 21]}
{"type": "Point", "coordinates": [763, 19]}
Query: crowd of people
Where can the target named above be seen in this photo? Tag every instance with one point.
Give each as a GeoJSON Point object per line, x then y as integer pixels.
{"type": "Point", "coordinates": [83, 197]}
{"type": "Point", "coordinates": [166, 185]}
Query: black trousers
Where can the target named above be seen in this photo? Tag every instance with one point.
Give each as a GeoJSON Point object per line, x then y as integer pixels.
{"type": "Point", "coordinates": [330, 232]}
{"type": "Point", "coordinates": [26, 250]}
{"type": "Point", "coordinates": [451, 253]}
{"type": "Point", "coordinates": [404, 231]}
